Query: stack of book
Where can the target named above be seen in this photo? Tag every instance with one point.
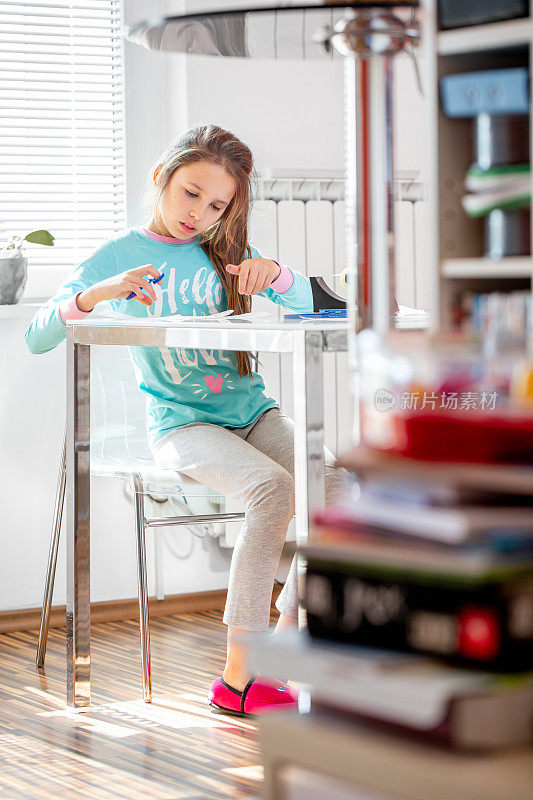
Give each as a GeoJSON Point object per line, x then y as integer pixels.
{"type": "Point", "coordinates": [429, 574]}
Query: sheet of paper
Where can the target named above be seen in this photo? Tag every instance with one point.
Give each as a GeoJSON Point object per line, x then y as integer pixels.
{"type": "Point", "coordinates": [106, 312]}
{"type": "Point", "coordinates": [406, 311]}
{"type": "Point", "coordinates": [110, 313]}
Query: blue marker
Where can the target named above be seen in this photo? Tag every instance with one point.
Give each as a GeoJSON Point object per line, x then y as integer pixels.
{"type": "Point", "coordinates": [331, 313]}
{"type": "Point", "coordinates": [150, 280]}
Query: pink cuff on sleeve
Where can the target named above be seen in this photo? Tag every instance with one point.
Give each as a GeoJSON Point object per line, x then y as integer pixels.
{"type": "Point", "coordinates": [284, 280]}
{"type": "Point", "coordinates": [69, 309]}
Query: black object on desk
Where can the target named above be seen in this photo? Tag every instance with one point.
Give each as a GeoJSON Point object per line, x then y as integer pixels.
{"type": "Point", "coordinates": [324, 297]}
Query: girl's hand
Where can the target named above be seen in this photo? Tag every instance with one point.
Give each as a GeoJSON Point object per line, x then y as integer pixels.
{"type": "Point", "coordinates": [118, 287]}
{"type": "Point", "coordinates": [255, 274]}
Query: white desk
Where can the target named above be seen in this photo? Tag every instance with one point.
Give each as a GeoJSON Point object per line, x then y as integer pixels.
{"type": "Point", "coordinates": [305, 341]}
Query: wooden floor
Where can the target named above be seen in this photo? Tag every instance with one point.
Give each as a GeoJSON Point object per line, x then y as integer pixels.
{"type": "Point", "coordinates": [121, 747]}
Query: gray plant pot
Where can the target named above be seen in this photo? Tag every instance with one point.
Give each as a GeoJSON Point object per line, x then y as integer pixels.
{"type": "Point", "coordinates": [13, 275]}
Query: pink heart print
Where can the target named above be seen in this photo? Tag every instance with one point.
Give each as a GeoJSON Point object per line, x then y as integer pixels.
{"type": "Point", "coordinates": [215, 384]}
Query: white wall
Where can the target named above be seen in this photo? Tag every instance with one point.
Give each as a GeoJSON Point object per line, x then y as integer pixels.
{"type": "Point", "coordinates": [150, 109]}
{"type": "Point", "coordinates": [289, 113]}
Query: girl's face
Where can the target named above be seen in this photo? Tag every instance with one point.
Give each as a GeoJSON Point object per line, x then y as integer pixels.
{"type": "Point", "coordinates": [195, 198]}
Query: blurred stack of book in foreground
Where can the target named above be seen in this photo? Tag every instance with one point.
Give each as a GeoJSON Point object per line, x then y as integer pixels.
{"type": "Point", "coordinates": [424, 582]}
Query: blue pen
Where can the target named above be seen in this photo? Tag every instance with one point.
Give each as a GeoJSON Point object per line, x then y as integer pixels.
{"type": "Point", "coordinates": [150, 280]}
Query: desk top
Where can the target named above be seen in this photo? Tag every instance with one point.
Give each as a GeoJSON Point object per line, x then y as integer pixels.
{"type": "Point", "coordinates": [209, 321]}
{"type": "Point", "coordinates": [225, 332]}
{"type": "Point", "coordinates": [265, 336]}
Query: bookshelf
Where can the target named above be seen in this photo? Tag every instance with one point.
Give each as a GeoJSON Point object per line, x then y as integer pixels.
{"type": "Point", "coordinates": [504, 269]}
{"type": "Point", "coordinates": [512, 33]}
{"type": "Point", "coordinates": [457, 259]}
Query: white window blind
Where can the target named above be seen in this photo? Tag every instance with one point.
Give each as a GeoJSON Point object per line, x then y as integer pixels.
{"type": "Point", "coordinates": [62, 164]}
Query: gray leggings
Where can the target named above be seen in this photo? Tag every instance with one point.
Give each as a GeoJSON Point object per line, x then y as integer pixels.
{"type": "Point", "coordinates": [256, 465]}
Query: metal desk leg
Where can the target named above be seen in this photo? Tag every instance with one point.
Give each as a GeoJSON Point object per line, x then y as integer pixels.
{"type": "Point", "coordinates": [309, 469]}
{"type": "Point", "coordinates": [78, 524]}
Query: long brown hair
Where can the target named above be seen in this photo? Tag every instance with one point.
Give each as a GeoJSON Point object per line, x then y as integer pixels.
{"type": "Point", "coordinates": [225, 242]}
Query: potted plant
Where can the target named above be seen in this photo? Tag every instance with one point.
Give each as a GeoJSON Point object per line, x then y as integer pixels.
{"type": "Point", "coordinates": [14, 265]}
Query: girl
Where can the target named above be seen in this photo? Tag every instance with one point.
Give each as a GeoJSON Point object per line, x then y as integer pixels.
{"type": "Point", "coordinates": [208, 415]}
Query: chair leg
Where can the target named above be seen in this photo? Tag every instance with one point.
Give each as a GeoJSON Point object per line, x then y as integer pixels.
{"type": "Point", "coordinates": [158, 564]}
{"type": "Point", "coordinates": [52, 560]}
{"type": "Point", "coordinates": [144, 619]}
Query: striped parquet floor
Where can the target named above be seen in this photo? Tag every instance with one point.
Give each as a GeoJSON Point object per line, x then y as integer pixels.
{"type": "Point", "coordinates": [122, 748]}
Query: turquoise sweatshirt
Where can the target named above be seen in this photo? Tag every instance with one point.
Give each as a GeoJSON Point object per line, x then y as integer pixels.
{"type": "Point", "coordinates": [182, 385]}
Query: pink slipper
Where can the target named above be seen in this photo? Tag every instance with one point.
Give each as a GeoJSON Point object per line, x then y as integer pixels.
{"type": "Point", "coordinates": [259, 696]}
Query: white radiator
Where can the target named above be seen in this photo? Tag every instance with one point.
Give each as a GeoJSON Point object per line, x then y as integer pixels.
{"type": "Point", "coordinates": [309, 236]}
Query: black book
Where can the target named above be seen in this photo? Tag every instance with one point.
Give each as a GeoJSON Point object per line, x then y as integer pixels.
{"type": "Point", "coordinates": [483, 619]}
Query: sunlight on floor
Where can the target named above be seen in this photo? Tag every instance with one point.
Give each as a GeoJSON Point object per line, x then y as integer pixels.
{"type": "Point", "coordinates": [176, 712]}
{"type": "Point", "coordinates": [251, 773]}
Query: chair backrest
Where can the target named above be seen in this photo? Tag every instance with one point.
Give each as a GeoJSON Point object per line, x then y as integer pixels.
{"type": "Point", "coordinates": [118, 410]}
{"type": "Point", "coordinates": [119, 440]}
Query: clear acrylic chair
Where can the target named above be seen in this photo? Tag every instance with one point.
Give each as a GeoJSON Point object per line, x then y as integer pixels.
{"type": "Point", "coordinates": [119, 448]}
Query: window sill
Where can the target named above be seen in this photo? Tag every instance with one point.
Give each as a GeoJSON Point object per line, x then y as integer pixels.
{"type": "Point", "coordinates": [22, 310]}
